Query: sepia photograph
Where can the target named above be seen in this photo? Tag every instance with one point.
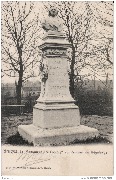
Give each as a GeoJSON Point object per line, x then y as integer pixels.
{"type": "Point", "coordinates": [57, 88]}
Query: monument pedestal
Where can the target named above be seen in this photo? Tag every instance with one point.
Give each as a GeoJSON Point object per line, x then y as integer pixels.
{"type": "Point", "coordinates": [56, 115]}
{"type": "Point", "coordinates": [56, 136]}
{"type": "Point", "coordinates": [56, 119]}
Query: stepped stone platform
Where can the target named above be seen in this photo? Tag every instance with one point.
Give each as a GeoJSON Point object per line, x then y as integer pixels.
{"type": "Point", "coordinates": [56, 136]}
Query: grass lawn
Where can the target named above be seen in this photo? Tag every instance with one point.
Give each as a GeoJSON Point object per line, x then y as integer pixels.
{"type": "Point", "coordinates": [9, 128]}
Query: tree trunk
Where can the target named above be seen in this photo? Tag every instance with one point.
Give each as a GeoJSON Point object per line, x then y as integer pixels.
{"type": "Point", "coordinates": [19, 85]}
{"type": "Point", "coordinates": [72, 85]}
{"type": "Point", "coordinates": [18, 92]}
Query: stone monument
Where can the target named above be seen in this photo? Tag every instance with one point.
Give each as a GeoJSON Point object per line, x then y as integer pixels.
{"type": "Point", "coordinates": [56, 119]}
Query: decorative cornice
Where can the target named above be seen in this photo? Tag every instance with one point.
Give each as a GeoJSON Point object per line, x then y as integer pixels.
{"type": "Point", "coordinates": [48, 45]}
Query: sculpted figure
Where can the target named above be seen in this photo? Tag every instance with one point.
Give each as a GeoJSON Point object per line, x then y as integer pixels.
{"type": "Point", "coordinates": [43, 75]}
{"type": "Point", "coordinates": [53, 22]}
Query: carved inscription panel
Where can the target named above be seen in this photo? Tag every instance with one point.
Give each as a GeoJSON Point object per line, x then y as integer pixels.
{"type": "Point", "coordinates": [58, 80]}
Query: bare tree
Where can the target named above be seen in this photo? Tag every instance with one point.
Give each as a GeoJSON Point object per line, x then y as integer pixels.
{"type": "Point", "coordinates": [78, 32]}
{"type": "Point", "coordinates": [19, 38]}
{"type": "Point", "coordinates": [98, 55]}
{"type": "Point", "coordinates": [81, 26]}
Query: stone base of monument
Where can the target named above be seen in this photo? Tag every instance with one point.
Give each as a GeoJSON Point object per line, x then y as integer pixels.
{"type": "Point", "coordinates": [56, 115]}
{"type": "Point", "coordinates": [56, 136]}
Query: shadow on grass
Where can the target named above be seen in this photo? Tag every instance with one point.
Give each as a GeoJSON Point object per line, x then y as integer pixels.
{"type": "Point", "coordinates": [18, 140]}
{"type": "Point", "coordinates": [95, 140]}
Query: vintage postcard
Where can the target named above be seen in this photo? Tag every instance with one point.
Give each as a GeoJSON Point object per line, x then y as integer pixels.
{"type": "Point", "coordinates": [57, 88]}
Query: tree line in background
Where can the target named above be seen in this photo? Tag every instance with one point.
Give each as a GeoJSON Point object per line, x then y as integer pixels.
{"type": "Point", "coordinates": [88, 27]}
{"type": "Point", "coordinates": [92, 97]}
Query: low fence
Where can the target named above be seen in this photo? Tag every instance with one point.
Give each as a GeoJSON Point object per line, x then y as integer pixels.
{"type": "Point", "coordinates": [10, 107]}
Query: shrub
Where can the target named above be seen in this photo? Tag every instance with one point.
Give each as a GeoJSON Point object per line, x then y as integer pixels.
{"type": "Point", "coordinates": [94, 102]}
